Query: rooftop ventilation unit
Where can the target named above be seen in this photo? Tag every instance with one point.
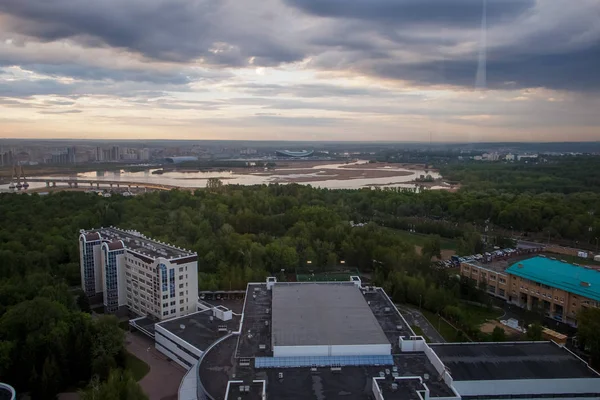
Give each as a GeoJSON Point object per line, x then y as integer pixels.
{"type": "Point", "coordinates": [247, 389]}
{"type": "Point", "coordinates": [381, 374]}
{"type": "Point", "coordinates": [387, 309]}
{"type": "Point", "coordinates": [262, 346]}
{"type": "Point", "coordinates": [585, 284]}
{"type": "Point", "coordinates": [266, 323]}
{"type": "Point", "coordinates": [394, 387]}
{"type": "Point", "coordinates": [280, 375]}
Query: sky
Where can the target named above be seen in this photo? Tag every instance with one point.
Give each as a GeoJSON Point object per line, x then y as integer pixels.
{"type": "Point", "coordinates": [366, 70]}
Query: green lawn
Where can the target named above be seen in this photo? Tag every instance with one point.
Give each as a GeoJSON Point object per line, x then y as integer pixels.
{"type": "Point", "coordinates": [444, 328]}
{"type": "Point", "coordinates": [138, 368]}
{"type": "Point", "coordinates": [419, 239]}
{"type": "Point", "coordinates": [418, 331]}
{"type": "Point", "coordinates": [478, 315]}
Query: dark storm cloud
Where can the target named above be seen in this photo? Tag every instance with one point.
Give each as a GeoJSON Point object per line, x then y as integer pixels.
{"type": "Point", "coordinates": [439, 12]}
{"type": "Point", "coordinates": [173, 30]}
{"type": "Point", "coordinates": [575, 70]}
{"type": "Point", "coordinates": [426, 42]}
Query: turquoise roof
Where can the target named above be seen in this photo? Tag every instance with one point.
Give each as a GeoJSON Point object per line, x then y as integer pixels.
{"type": "Point", "coordinates": [560, 275]}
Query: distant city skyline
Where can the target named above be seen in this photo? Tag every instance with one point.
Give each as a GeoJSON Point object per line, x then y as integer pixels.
{"type": "Point", "coordinates": [301, 70]}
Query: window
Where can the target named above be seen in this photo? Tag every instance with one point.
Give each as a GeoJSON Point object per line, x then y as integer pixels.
{"type": "Point", "coordinates": [165, 296]}
{"type": "Point", "coordinates": [501, 292]}
{"type": "Point", "coordinates": [165, 305]}
{"type": "Point", "coordinates": [181, 301]}
{"type": "Point", "coordinates": [165, 313]}
{"type": "Point", "coordinates": [173, 303]}
{"type": "Point", "coordinates": [180, 285]}
{"type": "Point", "coordinates": [180, 269]}
{"type": "Point", "coordinates": [180, 277]}
{"type": "Point", "coordinates": [181, 293]}
{"type": "Point", "coordinates": [173, 311]}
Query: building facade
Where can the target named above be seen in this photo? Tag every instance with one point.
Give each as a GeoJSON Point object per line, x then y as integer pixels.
{"type": "Point", "coordinates": [558, 288]}
{"type": "Point", "coordinates": [135, 273]}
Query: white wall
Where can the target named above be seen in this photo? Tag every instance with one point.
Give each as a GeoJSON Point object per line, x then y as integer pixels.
{"type": "Point", "coordinates": [376, 391]}
{"type": "Point", "coordinates": [170, 354]}
{"type": "Point", "coordinates": [222, 314]}
{"type": "Point", "coordinates": [412, 344]}
{"type": "Point", "coordinates": [435, 360]}
{"type": "Point", "coordinates": [166, 343]}
{"type": "Point", "coordinates": [362, 350]}
{"type": "Point", "coordinates": [528, 386]}
{"type": "Point", "coordinates": [340, 350]}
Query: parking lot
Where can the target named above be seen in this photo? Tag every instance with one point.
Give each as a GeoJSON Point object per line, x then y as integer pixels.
{"type": "Point", "coordinates": [496, 258]}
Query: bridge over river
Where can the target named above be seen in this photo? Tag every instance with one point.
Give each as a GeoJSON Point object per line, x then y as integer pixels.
{"type": "Point", "coordinates": [92, 183]}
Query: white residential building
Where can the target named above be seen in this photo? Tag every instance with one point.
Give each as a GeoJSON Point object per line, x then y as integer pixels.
{"type": "Point", "coordinates": [131, 271]}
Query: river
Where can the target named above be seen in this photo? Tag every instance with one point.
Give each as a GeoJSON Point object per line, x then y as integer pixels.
{"type": "Point", "coordinates": [332, 176]}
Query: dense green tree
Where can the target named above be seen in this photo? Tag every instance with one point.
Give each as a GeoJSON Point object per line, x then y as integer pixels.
{"type": "Point", "coordinates": [534, 331]}
{"type": "Point", "coordinates": [588, 323]}
{"type": "Point", "coordinates": [498, 335]}
{"type": "Point", "coordinates": [432, 248]}
{"type": "Point", "coordinates": [120, 385]}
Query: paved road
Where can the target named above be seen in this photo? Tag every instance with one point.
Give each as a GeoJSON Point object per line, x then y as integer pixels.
{"type": "Point", "coordinates": [162, 382]}
{"type": "Point", "coordinates": [414, 317]}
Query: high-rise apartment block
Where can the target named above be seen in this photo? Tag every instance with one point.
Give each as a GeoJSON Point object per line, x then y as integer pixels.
{"type": "Point", "coordinates": [131, 271]}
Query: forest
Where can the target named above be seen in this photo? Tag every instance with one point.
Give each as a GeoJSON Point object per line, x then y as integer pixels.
{"type": "Point", "coordinates": [556, 174]}
{"type": "Point", "coordinates": [49, 343]}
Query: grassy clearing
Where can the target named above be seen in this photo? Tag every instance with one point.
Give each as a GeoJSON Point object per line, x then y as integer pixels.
{"type": "Point", "coordinates": [137, 367]}
{"type": "Point", "coordinates": [444, 329]}
{"type": "Point", "coordinates": [419, 239]}
{"type": "Point", "coordinates": [479, 315]}
{"type": "Point", "coordinates": [418, 331]}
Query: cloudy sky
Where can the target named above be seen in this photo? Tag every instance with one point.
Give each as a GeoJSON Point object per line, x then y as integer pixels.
{"type": "Point", "coordinates": [460, 70]}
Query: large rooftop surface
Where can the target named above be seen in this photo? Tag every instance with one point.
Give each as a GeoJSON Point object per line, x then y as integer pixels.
{"type": "Point", "coordinates": [199, 329]}
{"type": "Point", "coordinates": [323, 314]}
{"type": "Point", "coordinates": [351, 383]}
{"type": "Point", "coordinates": [140, 243]}
{"type": "Point", "coordinates": [571, 278]}
{"type": "Point", "coordinates": [508, 361]}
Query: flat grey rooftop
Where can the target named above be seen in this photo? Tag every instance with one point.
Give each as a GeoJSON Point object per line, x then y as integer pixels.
{"type": "Point", "coordinates": [198, 329]}
{"type": "Point", "coordinates": [507, 361]}
{"type": "Point", "coordinates": [141, 244]}
{"type": "Point", "coordinates": [323, 314]}
{"type": "Point", "coordinates": [400, 389]}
